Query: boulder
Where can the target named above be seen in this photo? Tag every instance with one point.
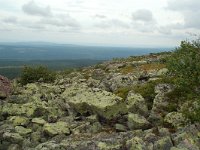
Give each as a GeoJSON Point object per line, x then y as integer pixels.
{"type": "Point", "coordinates": [5, 87]}
{"type": "Point", "coordinates": [39, 121]}
{"type": "Point", "coordinates": [160, 103]}
{"type": "Point", "coordinates": [136, 121]}
{"type": "Point", "coordinates": [19, 120]}
{"type": "Point", "coordinates": [49, 145]}
{"type": "Point", "coordinates": [175, 119]}
{"type": "Point", "coordinates": [85, 100]}
{"type": "Point", "coordinates": [108, 146]}
{"type": "Point", "coordinates": [136, 143]}
{"type": "Point", "coordinates": [136, 104]}
{"type": "Point", "coordinates": [162, 71]}
{"type": "Point", "coordinates": [22, 131]}
{"type": "Point", "coordinates": [164, 143]}
{"type": "Point", "coordinates": [120, 128]}
{"type": "Point", "coordinates": [53, 129]}
{"type": "Point", "coordinates": [14, 138]}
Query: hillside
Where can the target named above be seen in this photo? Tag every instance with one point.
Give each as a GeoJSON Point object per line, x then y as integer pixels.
{"type": "Point", "coordinates": [123, 104]}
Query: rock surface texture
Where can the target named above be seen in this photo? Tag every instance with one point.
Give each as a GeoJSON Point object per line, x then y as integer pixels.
{"type": "Point", "coordinates": [117, 105]}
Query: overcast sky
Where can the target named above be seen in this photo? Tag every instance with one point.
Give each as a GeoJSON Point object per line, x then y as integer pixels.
{"type": "Point", "coordinates": [104, 22]}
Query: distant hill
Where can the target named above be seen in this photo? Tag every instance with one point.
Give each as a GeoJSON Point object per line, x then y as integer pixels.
{"type": "Point", "coordinates": [51, 51]}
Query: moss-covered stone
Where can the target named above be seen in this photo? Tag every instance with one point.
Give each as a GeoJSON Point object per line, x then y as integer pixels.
{"type": "Point", "coordinates": [136, 103]}
{"type": "Point", "coordinates": [22, 131]}
{"type": "Point", "coordinates": [176, 119]}
{"type": "Point", "coordinates": [135, 143]}
{"type": "Point", "coordinates": [19, 120]}
{"type": "Point", "coordinates": [136, 121]}
{"type": "Point", "coordinates": [120, 127]}
{"type": "Point", "coordinates": [14, 138]}
{"type": "Point", "coordinates": [84, 100]}
{"type": "Point", "coordinates": [53, 129]}
{"type": "Point", "coordinates": [164, 143]}
{"type": "Point", "coordinates": [106, 146]}
{"type": "Point", "coordinates": [39, 121]}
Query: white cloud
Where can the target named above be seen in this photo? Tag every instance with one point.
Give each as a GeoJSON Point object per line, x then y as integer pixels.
{"type": "Point", "coordinates": [189, 9]}
{"type": "Point", "coordinates": [143, 15]}
{"type": "Point", "coordinates": [31, 8]}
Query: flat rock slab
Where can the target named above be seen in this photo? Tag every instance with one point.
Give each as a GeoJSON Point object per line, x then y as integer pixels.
{"type": "Point", "coordinates": [85, 100]}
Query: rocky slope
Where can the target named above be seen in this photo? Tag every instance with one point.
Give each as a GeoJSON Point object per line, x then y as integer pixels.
{"type": "Point", "coordinates": [98, 108]}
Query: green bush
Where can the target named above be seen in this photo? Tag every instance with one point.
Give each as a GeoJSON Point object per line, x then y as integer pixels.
{"type": "Point", "coordinates": [184, 66]}
{"type": "Point", "coordinates": [34, 74]}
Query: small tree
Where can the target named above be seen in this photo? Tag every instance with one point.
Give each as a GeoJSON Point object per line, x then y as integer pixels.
{"type": "Point", "coordinates": [184, 66]}
{"type": "Point", "coordinates": [34, 74]}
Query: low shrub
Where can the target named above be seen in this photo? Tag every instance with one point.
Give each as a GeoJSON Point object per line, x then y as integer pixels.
{"type": "Point", "coordinates": [34, 74]}
{"type": "Point", "coordinates": [184, 66]}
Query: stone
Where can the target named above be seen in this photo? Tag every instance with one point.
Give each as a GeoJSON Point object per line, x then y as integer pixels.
{"type": "Point", "coordinates": [163, 88]}
{"type": "Point", "coordinates": [105, 104]}
{"type": "Point", "coordinates": [135, 143]}
{"type": "Point", "coordinates": [14, 138]}
{"type": "Point", "coordinates": [136, 104]}
{"type": "Point", "coordinates": [162, 71]}
{"type": "Point", "coordinates": [164, 143]}
{"type": "Point", "coordinates": [39, 121]}
{"type": "Point", "coordinates": [22, 131]}
{"type": "Point", "coordinates": [136, 121]}
{"type": "Point", "coordinates": [19, 120]}
{"type": "Point", "coordinates": [120, 128]}
{"type": "Point", "coordinates": [106, 146]}
{"type": "Point", "coordinates": [53, 129]}
{"type": "Point", "coordinates": [175, 119]}
{"type": "Point", "coordinates": [50, 145]}
{"type": "Point", "coordinates": [164, 132]}
{"type": "Point", "coordinates": [95, 127]}
{"type": "Point", "coordinates": [5, 87]}
{"type": "Point", "coordinates": [14, 147]}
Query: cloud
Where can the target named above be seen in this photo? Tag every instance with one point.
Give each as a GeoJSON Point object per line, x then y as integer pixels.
{"type": "Point", "coordinates": [31, 8]}
{"type": "Point", "coordinates": [143, 15]}
{"type": "Point", "coordinates": [143, 21]}
{"type": "Point", "coordinates": [100, 16]}
{"type": "Point", "coordinates": [60, 21]}
{"type": "Point", "coordinates": [112, 23]}
{"type": "Point", "coordinates": [189, 9]}
{"type": "Point", "coordinates": [11, 20]}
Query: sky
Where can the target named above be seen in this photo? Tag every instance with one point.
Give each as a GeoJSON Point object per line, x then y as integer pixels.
{"type": "Point", "coordinates": [151, 23]}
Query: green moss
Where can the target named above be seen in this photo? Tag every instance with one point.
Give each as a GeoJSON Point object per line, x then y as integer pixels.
{"type": "Point", "coordinates": [122, 92]}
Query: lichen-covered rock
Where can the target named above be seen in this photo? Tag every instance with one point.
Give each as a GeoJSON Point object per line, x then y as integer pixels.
{"type": "Point", "coordinates": [160, 103]}
{"type": "Point", "coordinates": [19, 120]}
{"type": "Point", "coordinates": [164, 143]}
{"type": "Point", "coordinates": [50, 145]}
{"type": "Point", "coordinates": [187, 137]}
{"type": "Point", "coordinates": [5, 87]}
{"type": "Point", "coordinates": [136, 143]}
{"type": "Point", "coordinates": [136, 104]}
{"type": "Point", "coordinates": [120, 127]}
{"type": "Point", "coordinates": [53, 129]}
{"type": "Point", "coordinates": [84, 100]}
{"type": "Point", "coordinates": [163, 88]}
{"type": "Point", "coordinates": [27, 109]}
{"type": "Point", "coordinates": [162, 71]}
{"type": "Point", "coordinates": [136, 121]}
{"type": "Point", "coordinates": [14, 138]}
{"type": "Point", "coordinates": [106, 146]}
{"type": "Point", "coordinates": [39, 121]}
{"type": "Point", "coordinates": [14, 147]}
{"type": "Point", "coordinates": [176, 119]}
{"type": "Point", "coordinates": [22, 131]}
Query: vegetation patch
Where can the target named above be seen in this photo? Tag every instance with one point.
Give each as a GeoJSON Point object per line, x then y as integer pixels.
{"type": "Point", "coordinates": [184, 66]}
{"type": "Point", "coordinates": [34, 74]}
